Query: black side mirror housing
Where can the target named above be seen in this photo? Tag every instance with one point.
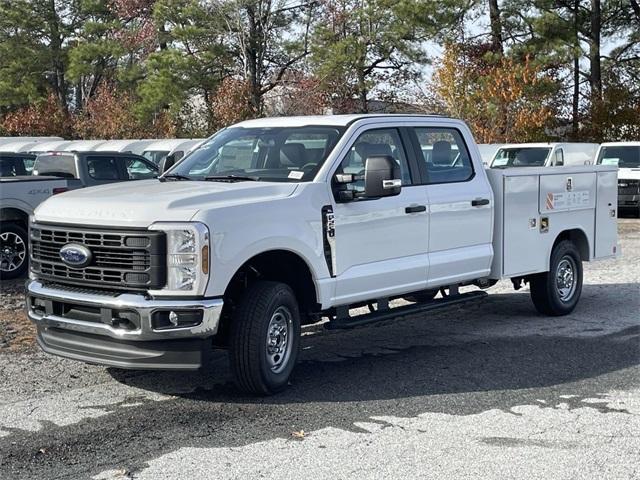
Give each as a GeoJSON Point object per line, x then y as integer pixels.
{"type": "Point", "coordinates": [381, 177]}
{"type": "Point", "coordinates": [166, 163]}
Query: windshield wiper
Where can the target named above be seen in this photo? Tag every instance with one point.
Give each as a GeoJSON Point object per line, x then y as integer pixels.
{"type": "Point", "coordinates": [231, 178]}
{"type": "Point", "coordinates": [173, 176]}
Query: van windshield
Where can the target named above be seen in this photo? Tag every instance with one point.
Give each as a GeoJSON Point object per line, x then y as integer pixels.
{"type": "Point", "coordinates": [521, 157]}
{"type": "Point", "coordinates": [156, 156]}
{"type": "Point", "coordinates": [284, 154]}
{"type": "Point", "coordinates": [622, 156]}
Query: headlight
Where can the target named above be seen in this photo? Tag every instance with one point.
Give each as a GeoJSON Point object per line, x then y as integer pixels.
{"type": "Point", "coordinates": [187, 258]}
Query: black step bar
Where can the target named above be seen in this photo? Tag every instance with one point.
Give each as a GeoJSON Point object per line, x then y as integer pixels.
{"type": "Point", "coordinates": [390, 313]}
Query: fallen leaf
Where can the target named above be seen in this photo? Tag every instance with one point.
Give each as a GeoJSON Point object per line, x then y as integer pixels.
{"type": "Point", "coordinates": [301, 434]}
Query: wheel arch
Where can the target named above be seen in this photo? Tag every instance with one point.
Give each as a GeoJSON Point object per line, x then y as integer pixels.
{"type": "Point", "coordinates": [278, 265]}
{"type": "Point", "coordinates": [579, 238]}
{"type": "Point", "coordinates": [13, 214]}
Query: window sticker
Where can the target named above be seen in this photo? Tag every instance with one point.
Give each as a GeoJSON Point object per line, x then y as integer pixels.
{"type": "Point", "coordinates": [296, 175]}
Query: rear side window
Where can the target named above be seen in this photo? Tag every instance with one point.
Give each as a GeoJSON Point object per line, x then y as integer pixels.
{"type": "Point", "coordinates": [13, 166]}
{"type": "Point", "coordinates": [56, 165]}
{"type": "Point", "coordinates": [444, 154]}
{"type": "Point", "coordinates": [103, 168]}
{"type": "Point", "coordinates": [139, 170]}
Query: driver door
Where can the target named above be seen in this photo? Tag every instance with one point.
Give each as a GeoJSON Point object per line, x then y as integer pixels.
{"type": "Point", "coordinates": [381, 244]}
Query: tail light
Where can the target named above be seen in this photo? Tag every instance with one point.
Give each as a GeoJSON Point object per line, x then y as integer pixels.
{"type": "Point", "coordinates": [57, 190]}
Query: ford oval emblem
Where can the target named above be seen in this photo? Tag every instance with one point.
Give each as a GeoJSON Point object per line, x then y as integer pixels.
{"type": "Point", "coordinates": [75, 255]}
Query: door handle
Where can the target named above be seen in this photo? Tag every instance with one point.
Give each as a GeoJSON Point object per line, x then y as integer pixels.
{"type": "Point", "coordinates": [415, 209]}
{"type": "Point", "coordinates": [478, 202]}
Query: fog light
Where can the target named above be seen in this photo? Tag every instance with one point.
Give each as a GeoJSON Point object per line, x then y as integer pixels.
{"type": "Point", "coordinates": [167, 319]}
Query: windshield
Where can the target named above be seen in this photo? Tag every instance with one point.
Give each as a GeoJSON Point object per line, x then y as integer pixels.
{"type": "Point", "coordinates": [270, 154]}
{"type": "Point", "coordinates": [521, 157]}
{"type": "Point", "coordinates": [623, 156]}
{"type": "Point", "coordinates": [156, 156]}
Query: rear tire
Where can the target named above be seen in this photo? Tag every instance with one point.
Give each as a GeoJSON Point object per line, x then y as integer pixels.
{"type": "Point", "coordinates": [14, 251]}
{"type": "Point", "coordinates": [557, 291]}
{"type": "Point", "coordinates": [265, 337]}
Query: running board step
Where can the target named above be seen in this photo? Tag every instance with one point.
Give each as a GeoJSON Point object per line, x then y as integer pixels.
{"type": "Point", "coordinates": [378, 316]}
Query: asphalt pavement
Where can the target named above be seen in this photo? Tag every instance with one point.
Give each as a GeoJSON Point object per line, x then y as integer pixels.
{"type": "Point", "coordinates": [485, 390]}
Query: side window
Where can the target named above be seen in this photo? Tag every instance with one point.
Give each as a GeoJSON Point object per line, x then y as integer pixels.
{"type": "Point", "coordinates": [103, 168]}
{"type": "Point", "coordinates": [445, 155]}
{"type": "Point", "coordinates": [559, 158]}
{"type": "Point", "coordinates": [371, 143]}
{"type": "Point", "coordinates": [138, 170]}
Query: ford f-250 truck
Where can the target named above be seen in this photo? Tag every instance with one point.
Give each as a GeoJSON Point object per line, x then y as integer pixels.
{"type": "Point", "coordinates": [276, 223]}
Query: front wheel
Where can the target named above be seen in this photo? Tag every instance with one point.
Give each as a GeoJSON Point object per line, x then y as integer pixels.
{"type": "Point", "coordinates": [13, 251]}
{"type": "Point", "coordinates": [265, 337]}
{"type": "Point", "coordinates": [557, 291]}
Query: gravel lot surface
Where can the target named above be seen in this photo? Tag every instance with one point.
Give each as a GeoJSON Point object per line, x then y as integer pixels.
{"type": "Point", "coordinates": [487, 390]}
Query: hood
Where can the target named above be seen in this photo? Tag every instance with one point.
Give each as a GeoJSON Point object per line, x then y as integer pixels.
{"type": "Point", "coordinates": [629, 173]}
{"type": "Point", "coordinates": [140, 203]}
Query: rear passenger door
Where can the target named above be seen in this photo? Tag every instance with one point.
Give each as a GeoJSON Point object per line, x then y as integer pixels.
{"type": "Point", "coordinates": [460, 206]}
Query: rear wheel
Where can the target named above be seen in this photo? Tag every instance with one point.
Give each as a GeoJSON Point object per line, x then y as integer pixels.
{"type": "Point", "coordinates": [13, 251]}
{"type": "Point", "coordinates": [557, 291]}
{"type": "Point", "coordinates": [265, 337]}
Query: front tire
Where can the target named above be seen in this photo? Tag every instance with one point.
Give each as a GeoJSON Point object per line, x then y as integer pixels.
{"type": "Point", "coordinates": [14, 252]}
{"type": "Point", "coordinates": [557, 291]}
{"type": "Point", "coordinates": [265, 337]}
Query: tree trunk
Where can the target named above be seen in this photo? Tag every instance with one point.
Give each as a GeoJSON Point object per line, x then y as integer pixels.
{"type": "Point", "coordinates": [252, 54]}
{"type": "Point", "coordinates": [362, 92]}
{"type": "Point", "coordinates": [594, 52]}
{"type": "Point", "coordinates": [496, 27]}
{"type": "Point", "coordinates": [57, 63]}
{"type": "Point", "coordinates": [576, 71]}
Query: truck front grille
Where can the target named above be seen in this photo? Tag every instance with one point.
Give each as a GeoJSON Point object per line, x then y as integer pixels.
{"type": "Point", "coordinates": [120, 259]}
{"type": "Point", "coordinates": [628, 187]}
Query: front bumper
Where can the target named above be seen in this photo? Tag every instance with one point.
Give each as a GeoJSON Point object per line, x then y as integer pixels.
{"type": "Point", "coordinates": [119, 330]}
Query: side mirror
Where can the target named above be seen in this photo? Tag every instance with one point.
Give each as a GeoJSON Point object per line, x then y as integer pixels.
{"type": "Point", "coordinates": [166, 163]}
{"type": "Point", "coordinates": [381, 177]}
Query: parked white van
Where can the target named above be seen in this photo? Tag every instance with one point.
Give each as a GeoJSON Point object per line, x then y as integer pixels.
{"type": "Point", "coordinates": [487, 151]}
{"type": "Point", "coordinates": [544, 155]}
{"type": "Point", "coordinates": [5, 140]}
{"type": "Point", "coordinates": [125, 146]}
{"type": "Point", "coordinates": [626, 155]}
{"type": "Point", "coordinates": [18, 147]}
{"type": "Point", "coordinates": [83, 145]}
{"type": "Point", "coordinates": [178, 147]}
{"type": "Point", "coordinates": [52, 146]}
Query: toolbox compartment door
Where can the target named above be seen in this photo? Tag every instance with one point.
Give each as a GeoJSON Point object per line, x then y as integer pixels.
{"type": "Point", "coordinates": [606, 233]}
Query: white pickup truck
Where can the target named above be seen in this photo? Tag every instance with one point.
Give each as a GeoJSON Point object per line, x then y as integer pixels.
{"type": "Point", "coordinates": [625, 156]}
{"type": "Point", "coordinates": [276, 223]}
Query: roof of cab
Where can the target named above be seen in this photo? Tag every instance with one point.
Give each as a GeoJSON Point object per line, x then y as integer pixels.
{"type": "Point", "coordinates": [329, 120]}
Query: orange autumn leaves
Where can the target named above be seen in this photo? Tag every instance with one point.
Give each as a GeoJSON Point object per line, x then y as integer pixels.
{"type": "Point", "coordinates": [503, 100]}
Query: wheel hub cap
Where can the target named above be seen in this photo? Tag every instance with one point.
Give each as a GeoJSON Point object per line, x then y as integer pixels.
{"type": "Point", "coordinates": [566, 278]}
{"type": "Point", "coordinates": [12, 251]}
{"type": "Point", "coordinates": [278, 341]}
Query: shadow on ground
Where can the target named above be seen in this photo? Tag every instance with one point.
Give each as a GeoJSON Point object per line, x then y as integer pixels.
{"type": "Point", "coordinates": [494, 355]}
